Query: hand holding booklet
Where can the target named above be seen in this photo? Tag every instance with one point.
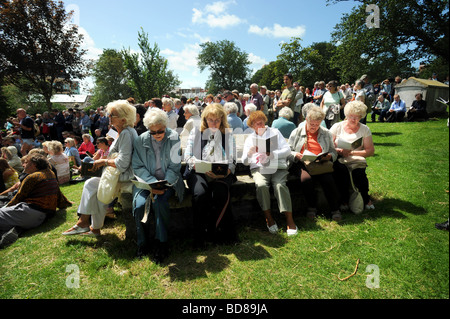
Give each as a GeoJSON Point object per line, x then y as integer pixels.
{"type": "Point", "coordinates": [158, 185]}
{"type": "Point", "coordinates": [266, 145]}
{"type": "Point", "coordinates": [311, 157]}
{"type": "Point", "coordinates": [87, 169]}
{"type": "Point", "coordinates": [202, 167]}
{"type": "Point", "coordinates": [349, 146]}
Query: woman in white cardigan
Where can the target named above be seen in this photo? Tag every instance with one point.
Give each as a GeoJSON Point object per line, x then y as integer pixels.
{"type": "Point", "coordinates": [269, 167]}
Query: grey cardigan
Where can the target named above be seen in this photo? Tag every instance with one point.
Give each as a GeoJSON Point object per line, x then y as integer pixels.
{"type": "Point", "coordinates": [298, 138]}
{"type": "Point", "coordinates": [124, 147]}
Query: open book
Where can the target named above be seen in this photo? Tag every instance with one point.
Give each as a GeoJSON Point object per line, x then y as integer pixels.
{"type": "Point", "coordinates": [159, 185]}
{"type": "Point", "coordinates": [311, 157]}
{"type": "Point", "coordinates": [349, 146]}
{"type": "Point", "coordinates": [266, 145]}
{"type": "Point", "coordinates": [202, 167]}
{"type": "Point", "coordinates": [87, 169]}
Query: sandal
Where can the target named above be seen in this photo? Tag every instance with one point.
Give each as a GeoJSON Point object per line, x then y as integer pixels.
{"type": "Point", "coordinates": [76, 230]}
{"type": "Point", "coordinates": [273, 229]}
{"type": "Point", "coordinates": [90, 233]}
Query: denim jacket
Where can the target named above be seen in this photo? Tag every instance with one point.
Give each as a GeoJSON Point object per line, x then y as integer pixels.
{"type": "Point", "coordinates": [144, 161]}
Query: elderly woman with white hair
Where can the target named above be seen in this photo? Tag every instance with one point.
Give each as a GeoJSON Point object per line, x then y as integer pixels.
{"type": "Point", "coordinates": [283, 122]}
{"type": "Point", "coordinates": [122, 116]}
{"type": "Point", "coordinates": [156, 158]}
{"type": "Point", "coordinates": [169, 107]}
{"type": "Point", "coordinates": [353, 157]}
{"type": "Point", "coordinates": [249, 109]}
{"type": "Point", "coordinates": [312, 138]}
{"type": "Point", "coordinates": [193, 119]}
{"type": "Point", "coordinates": [234, 121]}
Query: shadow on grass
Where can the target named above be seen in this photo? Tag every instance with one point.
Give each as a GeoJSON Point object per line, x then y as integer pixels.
{"type": "Point", "coordinates": [386, 134]}
{"type": "Point", "coordinates": [186, 264]}
{"type": "Point", "coordinates": [387, 144]}
{"type": "Point", "coordinates": [386, 207]}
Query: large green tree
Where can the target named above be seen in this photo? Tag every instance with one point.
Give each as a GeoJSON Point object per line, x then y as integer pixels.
{"type": "Point", "coordinates": [109, 74]}
{"type": "Point", "coordinates": [309, 64]}
{"type": "Point", "coordinates": [407, 31]}
{"type": "Point", "coordinates": [229, 66]}
{"type": "Point", "coordinates": [38, 46]}
{"type": "Point", "coordinates": [148, 72]}
{"type": "Point", "coordinates": [271, 75]}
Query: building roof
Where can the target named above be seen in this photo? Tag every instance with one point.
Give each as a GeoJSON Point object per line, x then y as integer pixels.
{"type": "Point", "coordinates": [64, 98]}
{"type": "Point", "coordinates": [412, 81]}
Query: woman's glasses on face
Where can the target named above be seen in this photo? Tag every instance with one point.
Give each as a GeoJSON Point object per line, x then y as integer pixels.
{"type": "Point", "coordinates": [211, 121]}
{"type": "Point", "coordinates": [157, 132]}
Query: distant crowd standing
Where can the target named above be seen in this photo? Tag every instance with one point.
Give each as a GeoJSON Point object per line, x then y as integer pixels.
{"type": "Point", "coordinates": [310, 133]}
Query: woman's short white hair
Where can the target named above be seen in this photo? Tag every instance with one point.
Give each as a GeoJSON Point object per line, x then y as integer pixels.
{"type": "Point", "coordinates": [155, 116]}
{"type": "Point", "coordinates": [230, 107]}
{"type": "Point", "coordinates": [249, 108]}
{"type": "Point", "coordinates": [124, 111]}
{"type": "Point", "coordinates": [55, 147]}
{"type": "Point", "coordinates": [355, 108]}
{"type": "Point", "coordinates": [70, 141]}
{"type": "Point", "coordinates": [306, 108]}
{"type": "Point", "coordinates": [286, 112]}
{"type": "Point", "coordinates": [167, 101]}
{"type": "Point", "coordinates": [315, 113]}
{"type": "Point", "coordinates": [191, 108]}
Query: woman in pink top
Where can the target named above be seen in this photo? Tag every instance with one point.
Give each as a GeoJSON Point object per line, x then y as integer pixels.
{"type": "Point", "coordinates": [86, 146]}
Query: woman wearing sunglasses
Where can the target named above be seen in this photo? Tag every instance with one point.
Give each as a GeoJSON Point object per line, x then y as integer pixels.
{"type": "Point", "coordinates": [156, 157]}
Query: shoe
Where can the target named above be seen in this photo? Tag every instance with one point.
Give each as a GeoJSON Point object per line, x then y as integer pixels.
{"type": "Point", "coordinates": [160, 253]}
{"type": "Point", "coordinates": [141, 252]}
{"type": "Point", "coordinates": [344, 207]}
{"type": "Point", "coordinates": [9, 237]}
{"type": "Point", "coordinates": [369, 206]}
{"type": "Point", "coordinates": [442, 226]}
{"type": "Point", "coordinates": [292, 232]}
{"type": "Point", "coordinates": [311, 214]}
{"type": "Point", "coordinates": [75, 230]}
{"type": "Point", "coordinates": [336, 216]}
{"type": "Point", "coordinates": [273, 229]}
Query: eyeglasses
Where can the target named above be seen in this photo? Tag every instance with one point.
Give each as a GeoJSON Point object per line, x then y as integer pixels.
{"type": "Point", "coordinates": [110, 115]}
{"type": "Point", "coordinates": [217, 121]}
{"type": "Point", "coordinates": [157, 132]}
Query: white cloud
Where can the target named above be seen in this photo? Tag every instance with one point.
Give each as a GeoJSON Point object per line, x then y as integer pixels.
{"type": "Point", "coordinates": [184, 64]}
{"type": "Point", "coordinates": [92, 52]}
{"type": "Point", "coordinates": [213, 15]}
{"type": "Point", "coordinates": [185, 60]}
{"type": "Point", "coordinates": [278, 31]}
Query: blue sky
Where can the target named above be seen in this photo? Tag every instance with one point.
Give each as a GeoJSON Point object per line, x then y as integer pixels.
{"type": "Point", "coordinates": [179, 27]}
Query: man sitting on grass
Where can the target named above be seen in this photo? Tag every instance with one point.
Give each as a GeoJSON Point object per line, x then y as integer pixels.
{"type": "Point", "coordinates": [37, 199]}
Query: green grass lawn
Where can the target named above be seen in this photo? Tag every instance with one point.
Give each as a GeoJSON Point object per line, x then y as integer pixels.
{"type": "Point", "coordinates": [408, 176]}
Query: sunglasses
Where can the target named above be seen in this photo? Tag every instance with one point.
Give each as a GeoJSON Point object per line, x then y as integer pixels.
{"type": "Point", "coordinates": [157, 132]}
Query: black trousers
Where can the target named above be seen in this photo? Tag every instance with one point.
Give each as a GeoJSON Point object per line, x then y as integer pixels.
{"type": "Point", "coordinates": [342, 179]}
{"type": "Point", "coordinates": [395, 116]}
{"type": "Point", "coordinates": [208, 201]}
{"type": "Point", "coordinates": [326, 181]}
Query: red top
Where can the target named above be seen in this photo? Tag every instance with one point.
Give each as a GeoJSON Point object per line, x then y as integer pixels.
{"type": "Point", "coordinates": [86, 147]}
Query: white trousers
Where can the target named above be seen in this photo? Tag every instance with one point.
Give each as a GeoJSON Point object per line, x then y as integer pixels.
{"type": "Point", "coordinates": [90, 205]}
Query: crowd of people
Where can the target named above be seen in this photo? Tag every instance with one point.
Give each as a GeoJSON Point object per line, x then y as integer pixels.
{"type": "Point", "coordinates": [310, 133]}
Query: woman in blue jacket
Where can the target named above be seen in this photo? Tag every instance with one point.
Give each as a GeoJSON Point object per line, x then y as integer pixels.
{"type": "Point", "coordinates": [156, 157]}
